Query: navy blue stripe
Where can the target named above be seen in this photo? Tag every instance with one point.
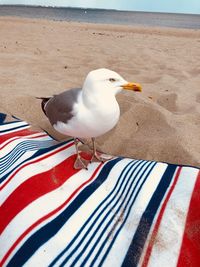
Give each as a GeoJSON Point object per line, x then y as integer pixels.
{"type": "Point", "coordinates": [5, 165]}
{"type": "Point", "coordinates": [38, 153]}
{"type": "Point", "coordinates": [111, 195]}
{"type": "Point", "coordinates": [135, 250]}
{"type": "Point", "coordinates": [11, 122]}
{"type": "Point", "coordinates": [2, 118]}
{"type": "Point", "coordinates": [5, 176]}
{"type": "Point", "coordinates": [12, 129]}
{"type": "Point", "coordinates": [9, 159]}
{"type": "Point", "coordinates": [24, 147]}
{"type": "Point", "coordinates": [50, 229]}
{"type": "Point", "coordinates": [141, 174]}
{"type": "Point", "coordinates": [49, 149]}
{"type": "Point", "coordinates": [128, 209]}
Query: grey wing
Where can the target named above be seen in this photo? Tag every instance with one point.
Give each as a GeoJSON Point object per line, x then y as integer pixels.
{"type": "Point", "coordinates": [60, 107]}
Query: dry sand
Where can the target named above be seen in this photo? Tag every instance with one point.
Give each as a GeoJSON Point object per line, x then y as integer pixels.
{"type": "Point", "coordinates": [41, 58]}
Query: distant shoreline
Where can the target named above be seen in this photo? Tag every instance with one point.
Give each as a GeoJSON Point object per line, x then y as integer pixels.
{"type": "Point", "coordinates": [95, 9]}
{"type": "Point", "coordinates": [104, 16]}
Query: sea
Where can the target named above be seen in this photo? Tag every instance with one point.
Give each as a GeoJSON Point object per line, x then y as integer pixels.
{"type": "Point", "coordinates": [104, 16]}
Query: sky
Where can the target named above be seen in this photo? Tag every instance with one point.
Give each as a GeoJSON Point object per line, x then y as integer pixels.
{"type": "Point", "coordinates": [171, 6]}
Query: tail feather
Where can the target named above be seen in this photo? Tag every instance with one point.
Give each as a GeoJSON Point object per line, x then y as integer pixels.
{"type": "Point", "coordinates": [43, 103]}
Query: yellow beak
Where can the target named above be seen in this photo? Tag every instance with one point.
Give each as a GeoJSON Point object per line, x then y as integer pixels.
{"type": "Point", "coordinates": [132, 86]}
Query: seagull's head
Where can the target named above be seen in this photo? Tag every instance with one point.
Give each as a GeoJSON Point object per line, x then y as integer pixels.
{"type": "Point", "coordinates": [105, 81]}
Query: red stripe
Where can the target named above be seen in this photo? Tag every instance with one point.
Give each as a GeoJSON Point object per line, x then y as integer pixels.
{"type": "Point", "coordinates": [34, 161]}
{"type": "Point", "coordinates": [190, 248]}
{"type": "Point", "coordinates": [14, 133]}
{"type": "Point", "coordinates": [155, 230]}
{"type": "Point", "coordinates": [50, 214]}
{"type": "Point", "coordinates": [20, 137]}
{"type": "Point", "coordinates": [35, 187]}
{"type": "Point", "coordinates": [23, 132]}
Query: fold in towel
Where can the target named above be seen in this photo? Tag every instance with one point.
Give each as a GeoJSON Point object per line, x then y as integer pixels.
{"type": "Point", "coordinates": [124, 212]}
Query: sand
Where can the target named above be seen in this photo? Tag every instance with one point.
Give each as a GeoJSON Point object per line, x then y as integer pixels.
{"type": "Point", "coordinates": [41, 58]}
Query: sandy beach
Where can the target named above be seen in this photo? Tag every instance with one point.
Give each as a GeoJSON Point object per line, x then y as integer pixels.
{"type": "Point", "coordinates": [44, 57]}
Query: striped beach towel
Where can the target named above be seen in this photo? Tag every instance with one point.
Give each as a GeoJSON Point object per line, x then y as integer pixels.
{"type": "Point", "coordinates": [124, 212]}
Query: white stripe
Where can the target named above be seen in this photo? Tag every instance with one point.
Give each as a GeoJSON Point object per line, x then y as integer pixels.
{"type": "Point", "coordinates": [169, 237]}
{"type": "Point", "coordinates": [35, 168]}
{"type": "Point", "coordinates": [41, 207]}
{"type": "Point", "coordinates": [12, 125]}
{"type": "Point", "coordinates": [56, 244]}
{"type": "Point", "coordinates": [16, 130]}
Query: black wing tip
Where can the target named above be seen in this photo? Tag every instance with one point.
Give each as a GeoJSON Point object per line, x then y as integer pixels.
{"type": "Point", "coordinates": [44, 101]}
{"type": "Point", "coordinates": [42, 98]}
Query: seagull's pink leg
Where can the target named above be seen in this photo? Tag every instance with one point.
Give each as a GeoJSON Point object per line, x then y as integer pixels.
{"type": "Point", "coordinates": [80, 163]}
{"type": "Point", "coordinates": [95, 156]}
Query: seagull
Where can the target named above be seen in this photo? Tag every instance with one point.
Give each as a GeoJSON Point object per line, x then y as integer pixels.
{"type": "Point", "coordinates": [88, 112]}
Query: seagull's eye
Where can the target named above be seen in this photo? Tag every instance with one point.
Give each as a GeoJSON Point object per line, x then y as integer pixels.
{"type": "Point", "coordinates": [112, 80]}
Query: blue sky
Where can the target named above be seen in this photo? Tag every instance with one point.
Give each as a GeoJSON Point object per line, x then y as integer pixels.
{"type": "Point", "coordinates": [174, 6]}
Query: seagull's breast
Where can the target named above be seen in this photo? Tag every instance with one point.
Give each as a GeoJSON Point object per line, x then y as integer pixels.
{"type": "Point", "coordinates": [91, 122]}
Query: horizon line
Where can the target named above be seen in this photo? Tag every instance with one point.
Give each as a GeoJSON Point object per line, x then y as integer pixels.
{"type": "Point", "coordinates": [100, 9]}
